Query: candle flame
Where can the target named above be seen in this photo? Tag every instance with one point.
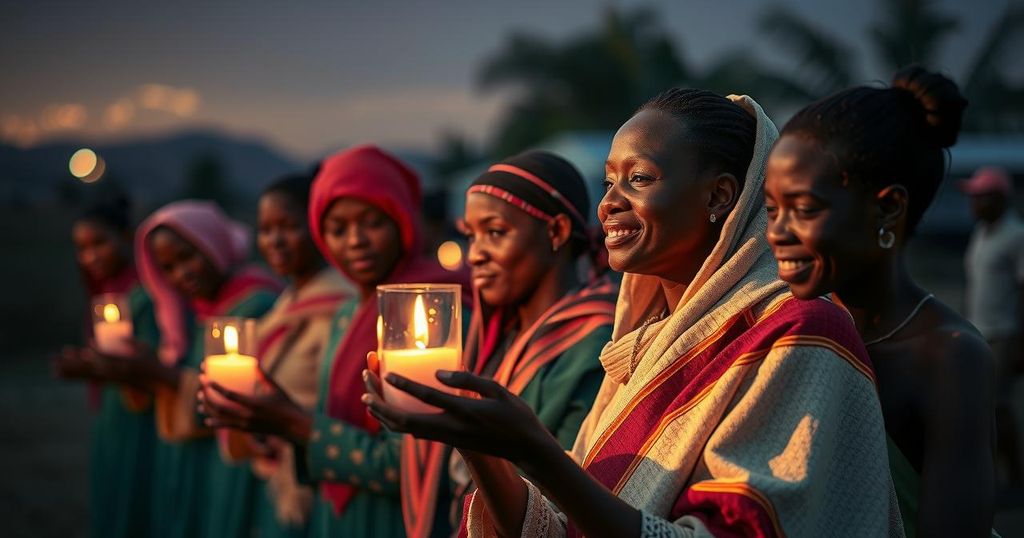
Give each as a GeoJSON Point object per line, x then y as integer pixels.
{"type": "Point", "coordinates": [111, 314]}
{"type": "Point", "coordinates": [419, 323]}
{"type": "Point", "coordinates": [230, 340]}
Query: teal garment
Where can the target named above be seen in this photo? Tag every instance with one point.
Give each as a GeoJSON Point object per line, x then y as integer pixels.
{"type": "Point", "coordinates": [342, 452]}
{"type": "Point", "coordinates": [123, 441]}
{"type": "Point", "coordinates": [197, 494]}
{"type": "Point", "coordinates": [564, 390]}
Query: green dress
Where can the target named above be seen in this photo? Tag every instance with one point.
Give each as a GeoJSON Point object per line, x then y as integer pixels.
{"type": "Point", "coordinates": [122, 447]}
{"type": "Point", "coordinates": [338, 451]}
{"type": "Point", "coordinates": [196, 493]}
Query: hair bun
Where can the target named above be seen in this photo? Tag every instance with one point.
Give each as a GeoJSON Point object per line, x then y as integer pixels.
{"type": "Point", "coordinates": [940, 99]}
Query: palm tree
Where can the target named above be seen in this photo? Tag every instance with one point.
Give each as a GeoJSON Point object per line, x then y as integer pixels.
{"type": "Point", "coordinates": [911, 31]}
{"type": "Point", "coordinates": [594, 81]}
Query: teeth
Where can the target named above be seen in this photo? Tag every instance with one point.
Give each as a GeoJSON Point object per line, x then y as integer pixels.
{"type": "Point", "coordinates": [791, 265]}
{"type": "Point", "coordinates": [619, 232]}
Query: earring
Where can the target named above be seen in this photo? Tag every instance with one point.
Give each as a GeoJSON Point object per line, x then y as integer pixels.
{"type": "Point", "coordinates": [713, 218]}
{"type": "Point", "coordinates": [554, 247]}
{"type": "Point", "coordinates": [886, 239]}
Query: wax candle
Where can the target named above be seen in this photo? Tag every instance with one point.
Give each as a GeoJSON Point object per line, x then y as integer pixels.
{"type": "Point", "coordinates": [232, 370]}
{"type": "Point", "coordinates": [111, 332]}
{"type": "Point", "coordinates": [419, 364]}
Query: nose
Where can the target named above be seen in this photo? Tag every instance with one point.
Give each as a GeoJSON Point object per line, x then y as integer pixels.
{"type": "Point", "coordinates": [779, 232]}
{"type": "Point", "coordinates": [613, 202]}
{"type": "Point", "coordinates": [355, 236]}
{"type": "Point", "coordinates": [476, 255]}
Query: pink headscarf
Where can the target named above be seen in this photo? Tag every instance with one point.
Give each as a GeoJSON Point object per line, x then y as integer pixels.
{"type": "Point", "coordinates": [222, 240]}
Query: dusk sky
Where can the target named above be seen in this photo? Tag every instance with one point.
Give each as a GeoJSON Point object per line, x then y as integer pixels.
{"type": "Point", "coordinates": [310, 76]}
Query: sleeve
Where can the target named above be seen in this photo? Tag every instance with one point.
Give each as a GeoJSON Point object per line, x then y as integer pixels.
{"type": "Point", "coordinates": [569, 386]}
{"type": "Point", "coordinates": [800, 451]}
{"type": "Point", "coordinates": [144, 329]}
{"type": "Point", "coordinates": [338, 451]}
{"type": "Point", "coordinates": [542, 519]}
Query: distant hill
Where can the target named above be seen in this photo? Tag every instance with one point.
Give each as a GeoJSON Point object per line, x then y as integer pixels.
{"type": "Point", "coordinates": [152, 170]}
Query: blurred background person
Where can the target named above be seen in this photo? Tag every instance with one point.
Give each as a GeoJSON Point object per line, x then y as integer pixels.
{"type": "Point", "coordinates": [124, 437]}
{"type": "Point", "coordinates": [292, 340]}
{"type": "Point", "coordinates": [995, 296]}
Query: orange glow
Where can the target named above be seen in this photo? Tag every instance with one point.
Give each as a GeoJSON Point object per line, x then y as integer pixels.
{"type": "Point", "coordinates": [419, 323]}
{"type": "Point", "coordinates": [83, 162]}
{"type": "Point", "coordinates": [449, 255]}
{"type": "Point", "coordinates": [111, 314]}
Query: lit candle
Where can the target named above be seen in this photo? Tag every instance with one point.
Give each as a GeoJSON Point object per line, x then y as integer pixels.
{"type": "Point", "coordinates": [232, 370]}
{"type": "Point", "coordinates": [420, 365]}
{"type": "Point", "coordinates": [112, 333]}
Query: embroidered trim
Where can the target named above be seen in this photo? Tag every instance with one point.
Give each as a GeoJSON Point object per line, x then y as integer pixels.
{"type": "Point", "coordinates": [656, 527]}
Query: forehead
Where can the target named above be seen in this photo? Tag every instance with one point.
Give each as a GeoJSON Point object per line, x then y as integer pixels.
{"type": "Point", "coordinates": [86, 228]}
{"type": "Point", "coordinates": [650, 133]}
{"type": "Point", "coordinates": [480, 206]}
{"type": "Point", "coordinates": [167, 240]}
{"type": "Point", "coordinates": [348, 208]}
{"type": "Point", "coordinates": [800, 160]}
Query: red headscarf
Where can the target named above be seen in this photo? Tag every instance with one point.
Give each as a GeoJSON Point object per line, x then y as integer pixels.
{"type": "Point", "coordinates": [223, 241]}
{"type": "Point", "coordinates": [377, 178]}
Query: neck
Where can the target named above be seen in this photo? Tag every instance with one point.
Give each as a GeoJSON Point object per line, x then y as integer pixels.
{"type": "Point", "coordinates": [301, 278]}
{"type": "Point", "coordinates": [555, 285]}
{"type": "Point", "coordinates": [882, 297]}
{"type": "Point", "coordinates": [673, 293]}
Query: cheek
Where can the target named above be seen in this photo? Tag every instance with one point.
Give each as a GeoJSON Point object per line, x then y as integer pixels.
{"type": "Point", "coordinates": [336, 247]}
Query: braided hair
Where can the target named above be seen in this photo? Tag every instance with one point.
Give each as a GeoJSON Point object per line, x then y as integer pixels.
{"type": "Point", "coordinates": [724, 133]}
{"type": "Point", "coordinates": [884, 136]}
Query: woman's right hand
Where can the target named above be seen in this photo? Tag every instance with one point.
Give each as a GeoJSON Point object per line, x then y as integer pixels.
{"type": "Point", "coordinates": [270, 412]}
{"type": "Point", "coordinates": [71, 363]}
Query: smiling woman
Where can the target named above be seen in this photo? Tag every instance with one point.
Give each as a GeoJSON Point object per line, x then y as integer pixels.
{"type": "Point", "coordinates": [728, 407]}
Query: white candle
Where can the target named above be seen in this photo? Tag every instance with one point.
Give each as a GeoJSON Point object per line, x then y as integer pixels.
{"type": "Point", "coordinates": [112, 334]}
{"type": "Point", "coordinates": [232, 370]}
{"type": "Point", "coordinates": [419, 365]}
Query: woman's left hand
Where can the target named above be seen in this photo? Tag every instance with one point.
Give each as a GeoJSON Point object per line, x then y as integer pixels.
{"type": "Point", "coordinates": [493, 421]}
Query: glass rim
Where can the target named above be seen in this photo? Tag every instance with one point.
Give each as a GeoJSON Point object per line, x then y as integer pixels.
{"type": "Point", "coordinates": [417, 288]}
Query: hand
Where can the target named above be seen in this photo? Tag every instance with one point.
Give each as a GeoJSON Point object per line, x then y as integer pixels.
{"type": "Point", "coordinates": [71, 363]}
{"type": "Point", "coordinates": [492, 421]}
{"type": "Point", "coordinates": [139, 367]}
{"type": "Point", "coordinates": [271, 412]}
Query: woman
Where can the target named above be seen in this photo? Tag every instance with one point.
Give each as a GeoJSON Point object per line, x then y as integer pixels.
{"type": "Point", "coordinates": [363, 214]}
{"type": "Point", "coordinates": [292, 339]}
{"type": "Point", "coordinates": [728, 408]}
{"type": "Point", "coordinates": [846, 185]}
{"type": "Point", "coordinates": [539, 326]}
{"type": "Point", "coordinates": [123, 435]}
{"type": "Point", "coordinates": [191, 260]}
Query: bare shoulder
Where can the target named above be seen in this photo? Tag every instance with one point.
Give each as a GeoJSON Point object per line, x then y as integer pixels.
{"type": "Point", "coordinates": [954, 348]}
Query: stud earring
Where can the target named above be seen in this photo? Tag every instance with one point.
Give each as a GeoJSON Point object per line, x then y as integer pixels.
{"type": "Point", "coordinates": [886, 239]}
{"type": "Point", "coordinates": [713, 218]}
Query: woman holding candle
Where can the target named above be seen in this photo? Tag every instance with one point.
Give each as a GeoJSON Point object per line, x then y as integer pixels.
{"type": "Point", "coordinates": [728, 407]}
{"type": "Point", "coordinates": [292, 339]}
{"type": "Point", "coordinates": [123, 437]}
{"type": "Point", "coordinates": [846, 185]}
{"type": "Point", "coordinates": [539, 326]}
{"type": "Point", "coordinates": [364, 209]}
{"type": "Point", "coordinates": [191, 260]}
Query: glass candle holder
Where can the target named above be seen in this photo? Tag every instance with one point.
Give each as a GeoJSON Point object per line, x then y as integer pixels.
{"type": "Point", "coordinates": [112, 323]}
{"type": "Point", "coordinates": [230, 347]}
{"type": "Point", "coordinates": [419, 333]}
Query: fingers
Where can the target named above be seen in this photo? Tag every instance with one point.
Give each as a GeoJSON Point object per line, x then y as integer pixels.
{"type": "Point", "coordinates": [372, 382]}
{"type": "Point", "coordinates": [434, 397]}
{"type": "Point", "coordinates": [230, 395]}
{"type": "Point", "coordinates": [373, 362]}
{"type": "Point", "coordinates": [467, 381]}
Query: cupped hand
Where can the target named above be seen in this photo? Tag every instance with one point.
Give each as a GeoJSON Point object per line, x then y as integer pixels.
{"type": "Point", "coordinates": [138, 366]}
{"type": "Point", "coordinates": [490, 420]}
{"type": "Point", "coordinates": [270, 412]}
{"type": "Point", "coordinates": [71, 363]}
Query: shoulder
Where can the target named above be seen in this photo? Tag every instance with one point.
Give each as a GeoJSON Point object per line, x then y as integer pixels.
{"type": "Point", "coordinates": [953, 349]}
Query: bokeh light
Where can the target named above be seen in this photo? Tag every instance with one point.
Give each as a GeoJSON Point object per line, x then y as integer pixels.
{"type": "Point", "coordinates": [449, 255]}
{"type": "Point", "coordinates": [83, 162]}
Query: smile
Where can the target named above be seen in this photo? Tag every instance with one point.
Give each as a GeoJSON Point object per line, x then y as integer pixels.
{"type": "Point", "coordinates": [619, 236]}
{"type": "Point", "coordinates": [792, 270]}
